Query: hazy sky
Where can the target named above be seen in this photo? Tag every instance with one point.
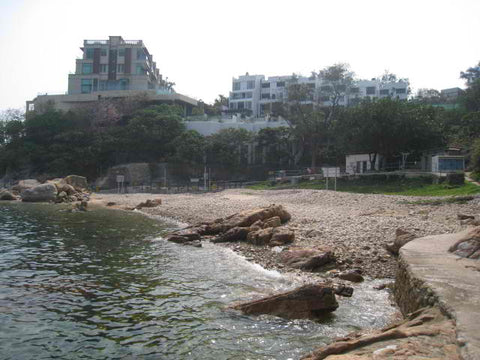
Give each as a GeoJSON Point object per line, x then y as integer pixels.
{"type": "Point", "coordinates": [202, 44]}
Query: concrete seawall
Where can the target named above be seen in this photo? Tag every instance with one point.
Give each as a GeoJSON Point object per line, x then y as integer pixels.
{"type": "Point", "coordinates": [429, 275]}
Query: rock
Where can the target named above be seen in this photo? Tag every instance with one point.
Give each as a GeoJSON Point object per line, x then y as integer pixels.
{"type": "Point", "coordinates": [426, 334]}
{"type": "Point", "coordinates": [7, 195]}
{"type": "Point", "coordinates": [350, 275]}
{"type": "Point", "coordinates": [45, 192]}
{"type": "Point", "coordinates": [465, 217]}
{"type": "Point", "coordinates": [469, 245]}
{"type": "Point", "coordinates": [343, 290]}
{"type": "Point", "coordinates": [272, 222]}
{"type": "Point", "coordinates": [307, 258]}
{"type": "Point", "coordinates": [281, 236]}
{"type": "Point", "coordinates": [260, 237]}
{"type": "Point", "coordinates": [307, 302]}
{"type": "Point", "coordinates": [64, 187]}
{"type": "Point", "coordinates": [246, 219]}
{"type": "Point", "coordinates": [183, 236]}
{"type": "Point", "coordinates": [61, 197]}
{"type": "Point", "coordinates": [235, 234]}
{"type": "Point", "coordinates": [149, 204]}
{"type": "Point", "coordinates": [402, 237]}
{"type": "Point", "coordinates": [111, 203]}
{"type": "Point", "coordinates": [82, 206]}
{"type": "Point", "coordinates": [79, 183]}
{"type": "Point", "coordinates": [194, 243]}
{"type": "Point", "coordinates": [25, 184]}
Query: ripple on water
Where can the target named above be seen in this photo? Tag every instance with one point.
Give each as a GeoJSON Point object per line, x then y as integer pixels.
{"type": "Point", "coordinates": [84, 285]}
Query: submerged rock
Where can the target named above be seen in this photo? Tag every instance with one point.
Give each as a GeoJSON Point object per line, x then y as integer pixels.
{"type": "Point", "coordinates": [351, 275]}
{"type": "Point", "coordinates": [307, 302]}
{"type": "Point", "coordinates": [308, 259]}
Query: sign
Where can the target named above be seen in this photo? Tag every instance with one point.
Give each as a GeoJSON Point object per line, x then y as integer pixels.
{"type": "Point", "coordinates": [194, 180]}
{"type": "Point", "coordinates": [331, 172]}
{"type": "Point", "coordinates": [120, 178]}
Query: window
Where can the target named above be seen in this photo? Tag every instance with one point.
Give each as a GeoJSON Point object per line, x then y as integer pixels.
{"type": "Point", "coordinates": [121, 52]}
{"type": "Point", "coordinates": [324, 98]}
{"type": "Point", "coordinates": [354, 90]}
{"type": "Point", "coordinates": [273, 96]}
{"type": "Point", "coordinates": [120, 68]}
{"type": "Point", "coordinates": [250, 84]}
{"type": "Point", "coordinates": [281, 84]}
{"type": "Point", "coordinates": [89, 53]}
{"type": "Point", "coordinates": [325, 88]}
{"type": "Point", "coordinates": [241, 105]}
{"type": "Point", "coordinates": [123, 84]}
{"type": "Point", "coordinates": [139, 70]}
{"type": "Point", "coordinates": [266, 85]}
{"type": "Point", "coordinates": [384, 92]}
{"type": "Point", "coordinates": [140, 54]}
{"type": "Point", "coordinates": [103, 85]}
{"type": "Point", "coordinates": [370, 90]}
{"type": "Point", "coordinates": [103, 52]}
{"type": "Point", "coordinates": [87, 68]}
{"type": "Point", "coordinates": [236, 86]}
{"type": "Point", "coordinates": [401, 91]}
{"type": "Point", "coordinates": [265, 96]}
{"type": "Point", "coordinates": [248, 105]}
{"type": "Point", "coordinates": [86, 86]}
{"type": "Point", "coordinates": [103, 68]}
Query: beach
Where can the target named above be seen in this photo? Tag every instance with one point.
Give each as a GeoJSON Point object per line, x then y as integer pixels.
{"type": "Point", "coordinates": [356, 227]}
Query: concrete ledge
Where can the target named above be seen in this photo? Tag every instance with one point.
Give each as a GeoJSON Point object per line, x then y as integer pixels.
{"type": "Point", "coordinates": [429, 275]}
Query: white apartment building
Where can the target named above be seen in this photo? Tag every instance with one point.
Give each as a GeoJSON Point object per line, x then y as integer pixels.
{"type": "Point", "coordinates": [256, 93]}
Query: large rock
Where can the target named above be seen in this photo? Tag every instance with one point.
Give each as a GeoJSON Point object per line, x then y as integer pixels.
{"type": "Point", "coordinates": [307, 302]}
{"type": "Point", "coordinates": [25, 184]}
{"type": "Point", "coordinates": [247, 218]}
{"type": "Point", "coordinates": [402, 237]}
{"type": "Point", "coordinates": [351, 275]}
{"type": "Point", "coordinates": [183, 236]}
{"type": "Point", "coordinates": [45, 192]}
{"type": "Point", "coordinates": [469, 245]}
{"type": "Point", "coordinates": [235, 234]}
{"type": "Point", "coordinates": [64, 187]}
{"type": "Point", "coordinates": [308, 259]}
{"type": "Point", "coordinates": [281, 236]}
{"type": "Point", "coordinates": [79, 183]}
{"type": "Point", "coordinates": [7, 195]}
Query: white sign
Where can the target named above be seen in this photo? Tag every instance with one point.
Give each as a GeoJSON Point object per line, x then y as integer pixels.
{"type": "Point", "coordinates": [194, 180]}
{"type": "Point", "coordinates": [120, 178]}
{"type": "Point", "coordinates": [331, 172]}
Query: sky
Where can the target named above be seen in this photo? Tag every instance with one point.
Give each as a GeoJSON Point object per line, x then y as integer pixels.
{"type": "Point", "coordinates": [201, 45]}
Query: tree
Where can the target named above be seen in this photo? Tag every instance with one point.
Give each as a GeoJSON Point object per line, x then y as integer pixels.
{"type": "Point", "coordinates": [228, 147]}
{"type": "Point", "coordinates": [429, 96]}
{"type": "Point", "coordinates": [471, 74]}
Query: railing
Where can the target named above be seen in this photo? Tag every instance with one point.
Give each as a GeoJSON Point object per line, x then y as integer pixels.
{"type": "Point", "coordinates": [96, 42]}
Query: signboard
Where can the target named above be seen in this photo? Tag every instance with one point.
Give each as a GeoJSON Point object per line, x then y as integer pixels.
{"type": "Point", "coordinates": [194, 180]}
{"type": "Point", "coordinates": [120, 178]}
{"type": "Point", "coordinates": [331, 172]}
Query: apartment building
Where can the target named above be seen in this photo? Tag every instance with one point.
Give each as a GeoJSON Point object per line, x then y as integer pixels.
{"type": "Point", "coordinates": [113, 69]}
{"type": "Point", "coordinates": [114, 64]}
{"type": "Point", "coordinates": [256, 93]}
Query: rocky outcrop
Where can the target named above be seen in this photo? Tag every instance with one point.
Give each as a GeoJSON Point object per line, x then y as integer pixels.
{"type": "Point", "coordinates": [425, 334]}
{"type": "Point", "coordinates": [402, 237]}
{"type": "Point", "coordinates": [258, 226]}
{"type": "Point", "coordinates": [307, 259]}
{"type": "Point", "coordinates": [307, 302]}
{"type": "Point", "coordinates": [7, 195]}
{"type": "Point", "coordinates": [40, 193]}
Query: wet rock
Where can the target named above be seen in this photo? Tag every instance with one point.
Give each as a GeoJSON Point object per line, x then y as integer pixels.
{"type": "Point", "coordinates": [308, 259]}
{"type": "Point", "coordinates": [7, 195]}
{"type": "Point", "coordinates": [194, 243]}
{"type": "Point", "coordinates": [343, 290]}
{"type": "Point", "coordinates": [40, 193]}
{"type": "Point", "coordinates": [183, 236]}
{"type": "Point", "coordinates": [402, 237]}
{"type": "Point", "coordinates": [306, 302]}
{"type": "Point", "coordinates": [351, 275]}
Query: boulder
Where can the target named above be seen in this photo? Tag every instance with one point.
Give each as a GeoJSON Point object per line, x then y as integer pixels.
{"type": "Point", "coordinates": [247, 218]}
{"type": "Point", "coordinates": [272, 222]}
{"type": "Point", "coordinates": [351, 275]}
{"type": "Point", "coordinates": [281, 236]}
{"type": "Point", "coordinates": [402, 237]}
{"type": "Point", "coordinates": [25, 184]}
{"type": "Point", "coordinates": [45, 192]}
{"type": "Point", "coordinates": [64, 187]}
{"type": "Point", "coordinates": [149, 204]}
{"type": "Point", "coordinates": [308, 259]}
{"type": "Point", "coordinates": [7, 195]}
{"type": "Point", "coordinates": [183, 236]}
{"type": "Point", "coordinates": [469, 245]}
{"type": "Point", "coordinates": [79, 183]}
{"type": "Point", "coordinates": [307, 302]}
{"type": "Point", "coordinates": [260, 237]}
{"type": "Point", "coordinates": [465, 217]}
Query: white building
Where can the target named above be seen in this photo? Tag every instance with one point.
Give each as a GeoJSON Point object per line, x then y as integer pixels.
{"type": "Point", "coordinates": [360, 163]}
{"type": "Point", "coordinates": [255, 94]}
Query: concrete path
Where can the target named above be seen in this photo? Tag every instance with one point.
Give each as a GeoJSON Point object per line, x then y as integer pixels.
{"type": "Point", "coordinates": [454, 280]}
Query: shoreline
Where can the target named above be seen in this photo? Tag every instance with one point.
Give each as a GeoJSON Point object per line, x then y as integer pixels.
{"type": "Point", "coordinates": [356, 227]}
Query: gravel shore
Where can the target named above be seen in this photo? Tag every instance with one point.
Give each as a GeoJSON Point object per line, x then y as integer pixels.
{"type": "Point", "coordinates": [356, 226]}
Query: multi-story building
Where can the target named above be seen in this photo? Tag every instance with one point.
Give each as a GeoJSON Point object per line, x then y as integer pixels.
{"type": "Point", "coordinates": [113, 69]}
{"type": "Point", "coordinates": [114, 64]}
{"type": "Point", "coordinates": [255, 93]}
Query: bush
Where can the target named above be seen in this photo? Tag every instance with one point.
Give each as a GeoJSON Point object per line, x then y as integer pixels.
{"type": "Point", "coordinates": [455, 178]}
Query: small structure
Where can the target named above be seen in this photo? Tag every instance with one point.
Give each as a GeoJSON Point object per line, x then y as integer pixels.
{"type": "Point", "coordinates": [443, 160]}
{"type": "Point", "coordinates": [361, 163]}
